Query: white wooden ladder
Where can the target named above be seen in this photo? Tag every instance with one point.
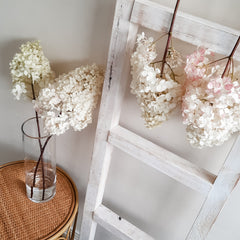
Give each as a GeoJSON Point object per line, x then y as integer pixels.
{"type": "Point", "coordinates": [129, 15]}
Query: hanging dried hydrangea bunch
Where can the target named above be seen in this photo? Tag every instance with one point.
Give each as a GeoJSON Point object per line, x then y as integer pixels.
{"type": "Point", "coordinates": [30, 68]}
{"type": "Point", "coordinates": [157, 95]}
{"type": "Point", "coordinates": [156, 88]}
{"type": "Point", "coordinates": [70, 100]}
{"type": "Point", "coordinates": [211, 104]}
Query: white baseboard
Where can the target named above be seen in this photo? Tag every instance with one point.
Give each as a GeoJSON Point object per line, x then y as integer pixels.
{"type": "Point", "coordinates": [76, 236]}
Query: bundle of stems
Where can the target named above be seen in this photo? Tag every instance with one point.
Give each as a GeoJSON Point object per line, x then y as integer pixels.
{"type": "Point", "coordinates": [42, 148]}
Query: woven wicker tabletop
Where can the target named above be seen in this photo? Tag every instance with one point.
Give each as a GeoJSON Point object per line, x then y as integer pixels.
{"type": "Point", "coordinates": [22, 219]}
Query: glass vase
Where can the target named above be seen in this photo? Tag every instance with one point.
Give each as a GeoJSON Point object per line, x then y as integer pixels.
{"type": "Point", "coordinates": [39, 161]}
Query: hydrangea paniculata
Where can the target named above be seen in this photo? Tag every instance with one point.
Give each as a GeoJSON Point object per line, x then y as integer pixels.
{"type": "Point", "coordinates": [70, 100]}
{"type": "Point", "coordinates": [28, 67]}
{"type": "Point", "coordinates": [157, 96]}
{"type": "Point", "coordinates": [211, 104]}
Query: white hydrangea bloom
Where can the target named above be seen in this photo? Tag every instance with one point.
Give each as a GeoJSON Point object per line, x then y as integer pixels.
{"type": "Point", "coordinates": [18, 89]}
{"type": "Point", "coordinates": [30, 67]}
{"type": "Point", "coordinates": [211, 104]}
{"type": "Point", "coordinates": [174, 58]}
{"type": "Point", "coordinates": [70, 100]}
{"type": "Point", "coordinates": [157, 96]}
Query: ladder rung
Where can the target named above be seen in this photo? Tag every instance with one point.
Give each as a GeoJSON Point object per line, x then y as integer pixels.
{"type": "Point", "coordinates": [117, 225]}
{"type": "Point", "coordinates": [162, 160]}
{"type": "Point", "coordinates": [191, 29]}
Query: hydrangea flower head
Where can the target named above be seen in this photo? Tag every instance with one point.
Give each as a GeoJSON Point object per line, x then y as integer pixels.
{"type": "Point", "coordinates": [211, 104]}
{"type": "Point", "coordinates": [28, 67]}
{"type": "Point", "coordinates": [196, 62]}
{"type": "Point", "coordinates": [70, 100]}
{"type": "Point", "coordinates": [156, 95]}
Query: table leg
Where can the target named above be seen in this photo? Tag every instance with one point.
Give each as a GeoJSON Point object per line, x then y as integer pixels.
{"type": "Point", "coordinates": [74, 226]}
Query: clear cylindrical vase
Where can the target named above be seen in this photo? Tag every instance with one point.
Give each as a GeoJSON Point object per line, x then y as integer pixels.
{"type": "Point", "coordinates": [39, 161]}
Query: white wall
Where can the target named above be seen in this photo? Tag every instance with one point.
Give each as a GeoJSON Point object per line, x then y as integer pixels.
{"type": "Point", "coordinates": [77, 31]}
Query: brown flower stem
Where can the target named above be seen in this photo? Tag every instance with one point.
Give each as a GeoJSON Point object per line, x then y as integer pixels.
{"type": "Point", "coordinates": [163, 35]}
{"type": "Point", "coordinates": [40, 145]}
{"type": "Point", "coordinates": [174, 78]}
{"type": "Point", "coordinates": [218, 60]}
{"type": "Point", "coordinates": [35, 171]}
{"type": "Point", "coordinates": [156, 62]}
{"type": "Point", "coordinates": [39, 134]}
{"type": "Point", "coordinates": [169, 36]}
{"type": "Point", "coordinates": [232, 67]}
{"type": "Point", "coordinates": [230, 57]}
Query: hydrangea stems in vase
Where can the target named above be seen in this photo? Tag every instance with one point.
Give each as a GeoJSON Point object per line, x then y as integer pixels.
{"type": "Point", "coordinates": [70, 100]}
{"type": "Point", "coordinates": [61, 103]}
{"type": "Point", "coordinates": [40, 161]}
{"type": "Point", "coordinates": [30, 71]}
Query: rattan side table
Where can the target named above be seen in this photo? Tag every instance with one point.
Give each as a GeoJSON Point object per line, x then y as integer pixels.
{"type": "Point", "coordinates": [22, 219]}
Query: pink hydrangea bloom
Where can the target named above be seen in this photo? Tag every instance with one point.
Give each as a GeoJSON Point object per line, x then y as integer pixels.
{"type": "Point", "coordinates": [211, 104]}
{"type": "Point", "coordinates": [195, 64]}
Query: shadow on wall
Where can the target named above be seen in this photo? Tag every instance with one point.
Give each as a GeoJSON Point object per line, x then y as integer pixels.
{"type": "Point", "coordinates": [100, 40]}
{"type": "Point", "coordinates": [9, 154]}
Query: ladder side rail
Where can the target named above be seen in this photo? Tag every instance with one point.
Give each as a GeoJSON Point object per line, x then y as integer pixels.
{"type": "Point", "coordinates": [109, 113]}
{"type": "Point", "coordinates": [225, 182]}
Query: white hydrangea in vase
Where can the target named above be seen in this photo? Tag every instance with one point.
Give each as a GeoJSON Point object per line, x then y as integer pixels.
{"type": "Point", "coordinates": [70, 100]}
{"type": "Point", "coordinates": [30, 71]}
{"type": "Point", "coordinates": [61, 103]}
